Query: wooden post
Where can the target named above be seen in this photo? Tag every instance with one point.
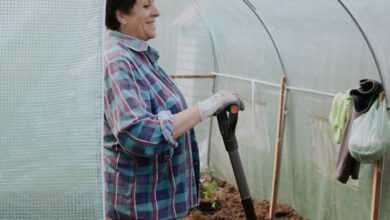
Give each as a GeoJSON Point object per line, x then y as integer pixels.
{"type": "Point", "coordinates": [376, 189]}
{"type": "Point", "coordinates": [278, 148]}
{"type": "Point", "coordinates": [204, 76]}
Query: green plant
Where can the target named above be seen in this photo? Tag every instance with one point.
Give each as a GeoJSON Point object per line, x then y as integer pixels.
{"type": "Point", "coordinates": [209, 189]}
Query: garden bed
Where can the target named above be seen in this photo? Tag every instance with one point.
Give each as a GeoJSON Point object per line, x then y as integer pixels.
{"type": "Point", "coordinates": [221, 201]}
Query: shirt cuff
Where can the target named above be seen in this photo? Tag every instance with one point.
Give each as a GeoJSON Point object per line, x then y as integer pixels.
{"type": "Point", "coordinates": [166, 123]}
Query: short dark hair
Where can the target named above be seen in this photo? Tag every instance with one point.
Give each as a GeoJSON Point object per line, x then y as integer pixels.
{"type": "Point", "coordinates": [112, 6]}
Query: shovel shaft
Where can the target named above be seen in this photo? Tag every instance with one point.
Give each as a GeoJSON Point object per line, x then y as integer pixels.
{"type": "Point", "coordinates": [227, 126]}
{"type": "Point", "coordinates": [239, 174]}
{"type": "Point", "coordinates": [242, 185]}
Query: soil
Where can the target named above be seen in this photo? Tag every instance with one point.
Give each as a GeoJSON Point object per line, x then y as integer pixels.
{"type": "Point", "coordinates": [225, 204]}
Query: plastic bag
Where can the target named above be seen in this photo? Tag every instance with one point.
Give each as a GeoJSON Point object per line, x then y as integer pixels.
{"type": "Point", "coordinates": [370, 134]}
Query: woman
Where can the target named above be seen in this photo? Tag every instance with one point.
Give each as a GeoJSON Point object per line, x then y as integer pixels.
{"type": "Point", "coordinates": [151, 155]}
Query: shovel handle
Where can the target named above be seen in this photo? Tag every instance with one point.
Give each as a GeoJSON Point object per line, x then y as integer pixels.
{"type": "Point", "coordinates": [227, 122]}
{"type": "Point", "coordinates": [234, 109]}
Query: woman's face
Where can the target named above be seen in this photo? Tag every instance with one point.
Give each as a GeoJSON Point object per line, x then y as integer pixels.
{"type": "Point", "coordinates": [140, 22]}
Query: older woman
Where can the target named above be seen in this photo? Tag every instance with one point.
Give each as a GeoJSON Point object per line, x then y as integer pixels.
{"type": "Point", "coordinates": [151, 155]}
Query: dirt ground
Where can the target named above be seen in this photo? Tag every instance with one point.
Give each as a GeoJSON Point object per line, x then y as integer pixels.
{"type": "Point", "coordinates": [221, 201]}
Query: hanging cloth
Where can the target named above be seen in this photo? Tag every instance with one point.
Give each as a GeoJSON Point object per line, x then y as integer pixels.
{"type": "Point", "coordinates": [340, 114]}
{"type": "Point", "coordinates": [362, 99]}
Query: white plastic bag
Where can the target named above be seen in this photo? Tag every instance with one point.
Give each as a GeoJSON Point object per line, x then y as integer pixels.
{"type": "Point", "coordinates": [370, 134]}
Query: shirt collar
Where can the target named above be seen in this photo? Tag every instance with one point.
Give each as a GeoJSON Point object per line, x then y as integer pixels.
{"type": "Point", "coordinates": [129, 41]}
{"type": "Point", "coordinates": [135, 44]}
{"type": "Point", "coordinates": [153, 54]}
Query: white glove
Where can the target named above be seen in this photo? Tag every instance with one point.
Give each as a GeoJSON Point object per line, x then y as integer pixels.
{"type": "Point", "coordinates": [218, 102]}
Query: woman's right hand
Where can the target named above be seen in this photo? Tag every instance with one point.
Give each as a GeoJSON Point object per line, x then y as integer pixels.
{"type": "Point", "coordinates": [219, 102]}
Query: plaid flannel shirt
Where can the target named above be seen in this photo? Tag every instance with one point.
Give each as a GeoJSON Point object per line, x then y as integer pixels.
{"type": "Point", "coordinates": [148, 174]}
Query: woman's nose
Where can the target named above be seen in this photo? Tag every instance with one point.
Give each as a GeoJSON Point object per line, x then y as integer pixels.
{"type": "Point", "coordinates": [155, 12]}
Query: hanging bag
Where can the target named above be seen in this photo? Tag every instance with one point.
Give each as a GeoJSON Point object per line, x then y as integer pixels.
{"type": "Point", "coordinates": [370, 134]}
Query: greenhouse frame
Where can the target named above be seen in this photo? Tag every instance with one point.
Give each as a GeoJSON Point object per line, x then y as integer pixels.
{"type": "Point", "coordinates": [51, 98]}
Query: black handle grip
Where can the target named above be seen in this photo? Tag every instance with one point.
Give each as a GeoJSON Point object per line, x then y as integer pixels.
{"type": "Point", "coordinates": [227, 122]}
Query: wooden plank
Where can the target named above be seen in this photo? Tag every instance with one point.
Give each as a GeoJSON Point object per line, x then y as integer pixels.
{"type": "Point", "coordinates": [376, 190]}
{"type": "Point", "coordinates": [193, 76]}
{"type": "Point", "coordinates": [278, 148]}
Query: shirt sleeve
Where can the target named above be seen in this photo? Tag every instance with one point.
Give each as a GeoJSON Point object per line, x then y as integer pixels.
{"type": "Point", "coordinates": [138, 131]}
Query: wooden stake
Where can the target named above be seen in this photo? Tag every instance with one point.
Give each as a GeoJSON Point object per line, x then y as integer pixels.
{"type": "Point", "coordinates": [376, 189]}
{"type": "Point", "coordinates": [278, 148]}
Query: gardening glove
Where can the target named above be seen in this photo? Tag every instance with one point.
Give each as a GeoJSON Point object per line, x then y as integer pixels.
{"type": "Point", "coordinates": [219, 102]}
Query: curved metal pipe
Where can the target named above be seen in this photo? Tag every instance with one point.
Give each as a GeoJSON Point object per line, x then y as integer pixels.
{"type": "Point", "coordinates": [281, 119]}
{"type": "Point", "coordinates": [211, 35]}
{"type": "Point", "coordinates": [217, 68]}
{"type": "Point", "coordinates": [372, 51]}
{"type": "Point", "coordinates": [254, 11]}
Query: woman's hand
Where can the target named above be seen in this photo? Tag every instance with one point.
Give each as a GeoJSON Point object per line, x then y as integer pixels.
{"type": "Point", "coordinates": [218, 102]}
{"type": "Point", "coordinates": [187, 119]}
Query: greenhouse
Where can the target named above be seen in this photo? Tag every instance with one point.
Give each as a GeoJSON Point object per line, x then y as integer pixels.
{"type": "Point", "coordinates": [291, 63]}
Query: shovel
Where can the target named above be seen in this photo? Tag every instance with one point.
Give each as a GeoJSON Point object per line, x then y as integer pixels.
{"type": "Point", "coordinates": [227, 121]}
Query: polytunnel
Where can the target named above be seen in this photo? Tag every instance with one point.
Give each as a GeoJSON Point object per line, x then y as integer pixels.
{"type": "Point", "coordinates": [51, 102]}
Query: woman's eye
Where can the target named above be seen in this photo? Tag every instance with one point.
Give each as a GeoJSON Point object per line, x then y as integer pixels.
{"type": "Point", "coordinates": [146, 6]}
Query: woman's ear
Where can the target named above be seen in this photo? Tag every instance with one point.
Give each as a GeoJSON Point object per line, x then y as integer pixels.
{"type": "Point", "coordinates": [121, 17]}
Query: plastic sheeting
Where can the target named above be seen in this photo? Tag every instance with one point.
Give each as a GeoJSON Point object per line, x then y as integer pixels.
{"type": "Point", "coordinates": [323, 51]}
{"type": "Point", "coordinates": [51, 110]}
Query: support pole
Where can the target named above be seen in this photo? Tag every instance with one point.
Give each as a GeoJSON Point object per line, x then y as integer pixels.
{"type": "Point", "coordinates": [376, 189]}
{"type": "Point", "coordinates": [278, 148]}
